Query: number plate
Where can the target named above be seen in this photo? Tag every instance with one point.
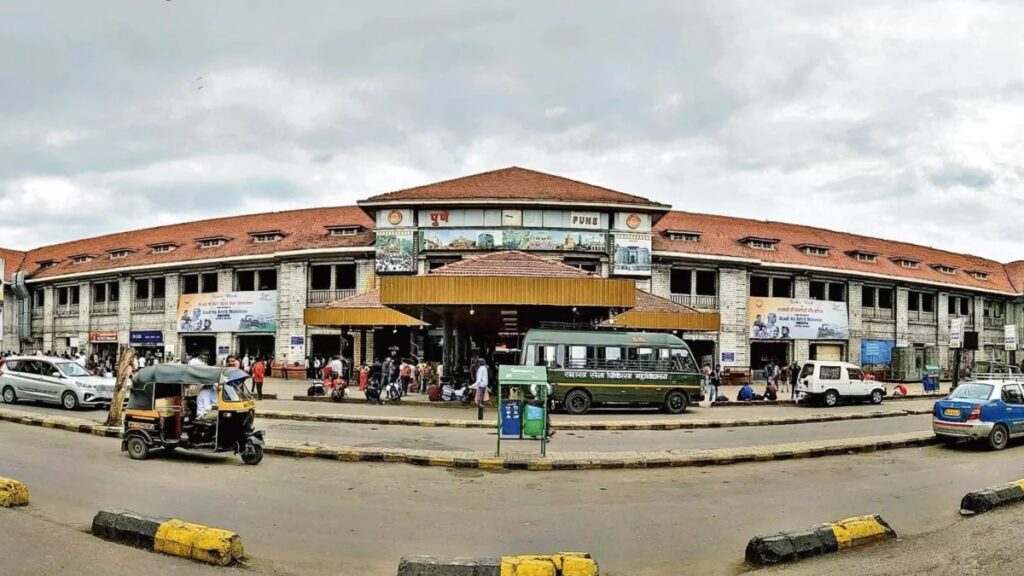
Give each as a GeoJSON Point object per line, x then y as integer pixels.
{"type": "Point", "coordinates": [952, 412]}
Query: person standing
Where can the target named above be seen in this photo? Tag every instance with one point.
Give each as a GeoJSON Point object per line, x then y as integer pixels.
{"type": "Point", "coordinates": [316, 368]}
{"type": "Point", "coordinates": [259, 371]}
{"type": "Point", "coordinates": [405, 375]}
{"type": "Point", "coordinates": [364, 377]}
{"type": "Point", "coordinates": [309, 369]}
{"type": "Point", "coordinates": [481, 386]}
{"type": "Point", "coordinates": [246, 363]}
{"type": "Point", "coordinates": [714, 380]}
{"type": "Point", "coordinates": [705, 381]}
{"type": "Point", "coordinates": [794, 378]}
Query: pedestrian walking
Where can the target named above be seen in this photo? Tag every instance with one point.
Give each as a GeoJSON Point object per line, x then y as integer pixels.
{"type": "Point", "coordinates": [481, 387]}
{"type": "Point", "coordinates": [259, 370]}
{"type": "Point", "coordinates": [794, 378]}
{"type": "Point", "coordinates": [705, 381]}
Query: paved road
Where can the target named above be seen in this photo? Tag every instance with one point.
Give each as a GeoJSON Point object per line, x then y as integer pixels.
{"type": "Point", "coordinates": [309, 516]}
{"type": "Point", "coordinates": [722, 413]}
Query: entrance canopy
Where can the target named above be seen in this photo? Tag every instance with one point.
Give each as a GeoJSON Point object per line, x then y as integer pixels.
{"type": "Point", "coordinates": [359, 310]}
{"type": "Point", "coordinates": [507, 278]}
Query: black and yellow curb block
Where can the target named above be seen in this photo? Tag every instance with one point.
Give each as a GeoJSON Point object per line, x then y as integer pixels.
{"type": "Point", "coordinates": [817, 540]}
{"type": "Point", "coordinates": [635, 425]}
{"type": "Point", "coordinates": [169, 536]}
{"type": "Point", "coordinates": [12, 493]}
{"type": "Point", "coordinates": [406, 401]}
{"type": "Point", "coordinates": [60, 423]}
{"type": "Point", "coordinates": [562, 564]}
{"type": "Point", "coordinates": [981, 501]}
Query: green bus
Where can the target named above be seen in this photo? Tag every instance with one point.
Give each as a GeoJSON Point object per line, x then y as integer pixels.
{"type": "Point", "coordinates": [592, 368]}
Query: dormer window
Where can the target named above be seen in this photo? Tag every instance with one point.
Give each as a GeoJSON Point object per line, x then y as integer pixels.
{"type": "Point", "coordinates": [945, 269]}
{"type": "Point", "coordinates": [163, 247]}
{"type": "Point", "coordinates": [82, 258]}
{"type": "Point", "coordinates": [683, 235]}
{"type": "Point", "coordinates": [814, 249]}
{"type": "Point", "coordinates": [120, 253]}
{"type": "Point", "coordinates": [212, 242]}
{"type": "Point", "coordinates": [262, 237]}
{"type": "Point", "coordinates": [344, 230]}
{"type": "Point", "coordinates": [861, 256]}
{"type": "Point", "coordinates": [44, 264]}
{"type": "Point", "coordinates": [979, 275]}
{"type": "Point", "coordinates": [760, 243]}
{"type": "Point", "coordinates": [907, 263]}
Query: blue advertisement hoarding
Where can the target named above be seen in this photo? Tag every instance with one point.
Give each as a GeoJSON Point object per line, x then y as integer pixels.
{"type": "Point", "coordinates": [874, 352]}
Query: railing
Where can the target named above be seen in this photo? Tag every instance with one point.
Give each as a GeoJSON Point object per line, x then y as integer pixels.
{"type": "Point", "coordinates": [154, 305]}
{"type": "Point", "coordinates": [921, 317]}
{"type": "Point", "coordinates": [968, 321]}
{"type": "Point", "coordinates": [65, 310]}
{"type": "Point", "coordinates": [103, 308]}
{"type": "Point", "coordinates": [696, 301]}
{"type": "Point", "coordinates": [876, 314]}
{"type": "Point", "coordinates": [326, 296]}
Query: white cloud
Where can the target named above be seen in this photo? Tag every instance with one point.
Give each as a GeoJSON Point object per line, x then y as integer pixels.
{"type": "Point", "coordinates": [61, 138]}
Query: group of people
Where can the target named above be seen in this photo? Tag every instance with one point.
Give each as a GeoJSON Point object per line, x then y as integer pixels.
{"type": "Point", "coordinates": [778, 378]}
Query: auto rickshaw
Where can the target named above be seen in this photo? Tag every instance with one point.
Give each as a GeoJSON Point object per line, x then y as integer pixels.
{"type": "Point", "coordinates": [162, 405]}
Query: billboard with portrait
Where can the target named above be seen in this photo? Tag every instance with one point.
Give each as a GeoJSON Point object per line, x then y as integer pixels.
{"type": "Point", "coordinates": [797, 319]}
{"type": "Point", "coordinates": [228, 312]}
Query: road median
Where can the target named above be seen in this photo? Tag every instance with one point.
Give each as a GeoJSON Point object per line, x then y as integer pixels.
{"type": "Point", "coordinates": [169, 536]}
{"type": "Point", "coordinates": [981, 501]}
{"type": "Point", "coordinates": [12, 493]}
{"type": "Point", "coordinates": [826, 538]}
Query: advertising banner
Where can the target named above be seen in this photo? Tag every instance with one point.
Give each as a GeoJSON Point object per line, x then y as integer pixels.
{"type": "Point", "coordinates": [228, 312]}
{"type": "Point", "coordinates": [103, 337]}
{"type": "Point", "coordinates": [956, 333]}
{"type": "Point", "coordinates": [1010, 337]}
{"type": "Point", "coordinates": [632, 254]}
{"type": "Point", "coordinates": [396, 251]}
{"type": "Point", "coordinates": [876, 352]}
{"type": "Point", "coordinates": [797, 319]}
{"type": "Point", "coordinates": [484, 239]}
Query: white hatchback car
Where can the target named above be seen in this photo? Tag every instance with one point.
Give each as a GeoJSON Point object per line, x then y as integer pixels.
{"type": "Point", "coordinates": [51, 379]}
{"type": "Point", "coordinates": [831, 382]}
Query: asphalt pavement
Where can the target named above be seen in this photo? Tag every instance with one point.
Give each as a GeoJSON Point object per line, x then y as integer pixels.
{"type": "Point", "coordinates": [306, 516]}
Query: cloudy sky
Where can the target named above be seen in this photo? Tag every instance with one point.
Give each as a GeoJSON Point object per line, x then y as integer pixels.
{"type": "Point", "coordinates": [901, 119]}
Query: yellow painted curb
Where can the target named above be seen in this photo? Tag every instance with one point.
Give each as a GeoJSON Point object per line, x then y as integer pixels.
{"type": "Point", "coordinates": [202, 543]}
{"type": "Point", "coordinates": [860, 530]}
{"type": "Point", "coordinates": [12, 493]}
{"type": "Point", "coordinates": [563, 564]}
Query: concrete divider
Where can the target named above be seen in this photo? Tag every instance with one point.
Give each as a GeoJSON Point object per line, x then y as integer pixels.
{"type": "Point", "coordinates": [12, 493]}
{"type": "Point", "coordinates": [817, 540]}
{"type": "Point", "coordinates": [561, 564]}
{"type": "Point", "coordinates": [986, 499]}
{"type": "Point", "coordinates": [169, 536]}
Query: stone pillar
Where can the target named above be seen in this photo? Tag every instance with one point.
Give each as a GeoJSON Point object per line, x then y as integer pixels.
{"type": "Point", "coordinates": [902, 317]}
{"type": "Point", "coordinates": [292, 279]}
{"type": "Point", "coordinates": [172, 287]}
{"type": "Point", "coordinates": [84, 315]}
{"type": "Point", "coordinates": [448, 355]}
{"type": "Point", "coordinates": [366, 275]}
{"type": "Point", "coordinates": [942, 327]}
{"type": "Point", "coordinates": [661, 280]}
{"type": "Point", "coordinates": [979, 326]}
{"type": "Point", "coordinates": [126, 286]}
{"type": "Point", "coordinates": [734, 334]}
{"type": "Point", "coordinates": [48, 317]}
{"type": "Point", "coordinates": [801, 348]}
{"type": "Point", "coordinates": [854, 293]}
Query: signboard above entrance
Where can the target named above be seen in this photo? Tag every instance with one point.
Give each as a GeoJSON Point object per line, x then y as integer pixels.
{"type": "Point", "coordinates": [482, 239]}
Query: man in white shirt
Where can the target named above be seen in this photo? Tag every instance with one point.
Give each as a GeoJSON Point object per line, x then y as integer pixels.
{"type": "Point", "coordinates": [206, 404]}
{"type": "Point", "coordinates": [337, 369]}
{"type": "Point", "coordinates": [246, 363]}
{"type": "Point", "coordinates": [481, 384]}
{"type": "Point", "coordinates": [196, 361]}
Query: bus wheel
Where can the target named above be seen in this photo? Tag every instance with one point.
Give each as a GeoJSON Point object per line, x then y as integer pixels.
{"type": "Point", "coordinates": [577, 402]}
{"type": "Point", "coordinates": [675, 402]}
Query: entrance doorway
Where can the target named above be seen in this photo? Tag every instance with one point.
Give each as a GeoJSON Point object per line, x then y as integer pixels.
{"type": "Point", "coordinates": [703, 352]}
{"type": "Point", "coordinates": [204, 347]}
{"type": "Point", "coordinates": [761, 353]}
{"type": "Point", "coordinates": [257, 346]}
{"type": "Point", "coordinates": [832, 352]}
{"type": "Point", "coordinates": [326, 346]}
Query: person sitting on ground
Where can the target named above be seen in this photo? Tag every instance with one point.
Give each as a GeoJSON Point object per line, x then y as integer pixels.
{"type": "Point", "coordinates": [746, 393]}
{"type": "Point", "coordinates": [771, 392]}
{"type": "Point", "coordinates": [899, 390]}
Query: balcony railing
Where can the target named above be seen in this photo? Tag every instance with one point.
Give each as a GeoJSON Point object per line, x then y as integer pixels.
{"type": "Point", "coordinates": [968, 321]}
{"type": "Point", "coordinates": [104, 308]}
{"type": "Point", "coordinates": [65, 310]}
{"type": "Point", "coordinates": [696, 301]}
{"type": "Point", "coordinates": [37, 312]}
{"type": "Point", "coordinates": [153, 305]}
{"type": "Point", "coordinates": [326, 296]}
{"type": "Point", "coordinates": [884, 314]}
{"type": "Point", "coordinates": [921, 317]}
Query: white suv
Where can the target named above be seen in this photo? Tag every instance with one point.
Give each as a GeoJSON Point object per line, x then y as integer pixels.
{"type": "Point", "coordinates": [832, 381]}
{"type": "Point", "coordinates": [56, 380]}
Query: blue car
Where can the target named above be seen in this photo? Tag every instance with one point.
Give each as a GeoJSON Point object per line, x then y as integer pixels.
{"type": "Point", "coordinates": [991, 410]}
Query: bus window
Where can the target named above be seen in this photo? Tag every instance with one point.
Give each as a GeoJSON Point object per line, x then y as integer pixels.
{"type": "Point", "coordinates": [577, 357]}
{"type": "Point", "coordinates": [560, 358]}
{"type": "Point", "coordinates": [663, 353]}
{"type": "Point", "coordinates": [645, 354]}
{"type": "Point", "coordinates": [531, 355]}
{"type": "Point", "coordinates": [612, 353]}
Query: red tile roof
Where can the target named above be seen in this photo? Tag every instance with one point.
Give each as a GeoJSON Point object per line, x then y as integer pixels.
{"type": "Point", "coordinates": [303, 230]}
{"type": "Point", "coordinates": [12, 261]}
{"type": "Point", "coordinates": [511, 263]}
{"type": "Point", "coordinates": [514, 184]}
{"type": "Point", "coordinates": [720, 236]}
{"type": "Point", "coordinates": [647, 302]}
{"type": "Point", "coordinates": [369, 299]}
{"type": "Point", "coordinates": [1015, 273]}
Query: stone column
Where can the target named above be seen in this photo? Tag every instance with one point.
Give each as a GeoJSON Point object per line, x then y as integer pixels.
{"type": "Point", "coordinates": [172, 287]}
{"type": "Point", "coordinates": [801, 348]}
{"type": "Point", "coordinates": [48, 317]}
{"type": "Point", "coordinates": [942, 320]}
{"type": "Point", "coordinates": [661, 280]}
{"type": "Point", "coordinates": [84, 315]}
{"type": "Point", "coordinates": [734, 334]}
{"type": "Point", "coordinates": [292, 278]}
{"type": "Point", "coordinates": [124, 309]}
{"type": "Point", "coordinates": [979, 326]}
{"type": "Point", "coordinates": [902, 317]}
{"type": "Point", "coordinates": [854, 292]}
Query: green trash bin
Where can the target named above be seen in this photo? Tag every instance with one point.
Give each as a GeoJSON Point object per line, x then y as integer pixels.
{"type": "Point", "coordinates": [533, 421]}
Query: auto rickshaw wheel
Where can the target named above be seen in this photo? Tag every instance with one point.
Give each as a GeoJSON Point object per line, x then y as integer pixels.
{"type": "Point", "coordinates": [137, 448]}
{"type": "Point", "coordinates": [252, 454]}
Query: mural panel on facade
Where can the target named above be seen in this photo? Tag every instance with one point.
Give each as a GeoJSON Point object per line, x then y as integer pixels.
{"type": "Point", "coordinates": [632, 254]}
{"type": "Point", "coordinates": [797, 318]}
{"type": "Point", "coordinates": [396, 251]}
{"type": "Point", "coordinates": [228, 312]}
{"type": "Point", "coordinates": [484, 239]}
